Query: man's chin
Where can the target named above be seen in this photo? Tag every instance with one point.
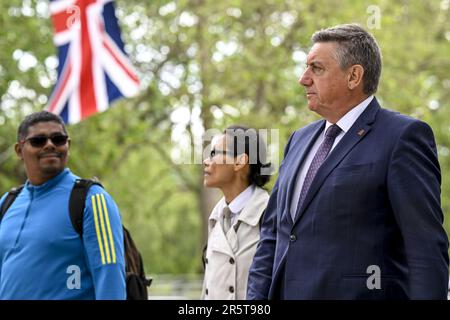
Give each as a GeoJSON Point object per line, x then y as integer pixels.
{"type": "Point", "coordinates": [312, 107]}
{"type": "Point", "coordinates": [52, 170]}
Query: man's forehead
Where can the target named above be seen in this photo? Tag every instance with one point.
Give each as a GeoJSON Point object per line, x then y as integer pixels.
{"type": "Point", "coordinates": [321, 52]}
{"type": "Point", "coordinates": [45, 126]}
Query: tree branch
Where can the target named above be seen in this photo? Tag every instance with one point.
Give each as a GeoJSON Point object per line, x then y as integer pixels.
{"type": "Point", "coordinates": [190, 184]}
{"type": "Point", "coordinates": [6, 154]}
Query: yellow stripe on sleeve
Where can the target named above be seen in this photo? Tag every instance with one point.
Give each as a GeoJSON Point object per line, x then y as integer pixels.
{"type": "Point", "coordinates": [108, 225]}
{"type": "Point", "coordinates": [102, 225]}
{"type": "Point", "coordinates": [97, 230]}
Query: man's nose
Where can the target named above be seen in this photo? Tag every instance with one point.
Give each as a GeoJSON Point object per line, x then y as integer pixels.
{"type": "Point", "coordinates": [49, 144]}
{"type": "Point", "coordinates": [305, 79]}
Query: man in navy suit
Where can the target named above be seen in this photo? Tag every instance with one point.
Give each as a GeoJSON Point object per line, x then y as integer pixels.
{"type": "Point", "coordinates": [355, 212]}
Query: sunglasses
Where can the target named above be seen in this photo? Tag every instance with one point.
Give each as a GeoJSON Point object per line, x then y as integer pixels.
{"type": "Point", "coordinates": [57, 140]}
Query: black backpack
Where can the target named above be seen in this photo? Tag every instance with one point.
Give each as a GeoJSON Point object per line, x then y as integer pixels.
{"type": "Point", "coordinates": [136, 282]}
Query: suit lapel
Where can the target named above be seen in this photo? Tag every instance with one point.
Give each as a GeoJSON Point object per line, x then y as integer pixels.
{"type": "Point", "coordinates": [298, 152]}
{"type": "Point", "coordinates": [357, 132]}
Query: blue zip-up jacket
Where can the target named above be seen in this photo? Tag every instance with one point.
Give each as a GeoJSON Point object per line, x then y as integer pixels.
{"type": "Point", "coordinates": [43, 257]}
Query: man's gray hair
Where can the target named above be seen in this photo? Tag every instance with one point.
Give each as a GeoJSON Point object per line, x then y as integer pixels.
{"type": "Point", "coordinates": [355, 46]}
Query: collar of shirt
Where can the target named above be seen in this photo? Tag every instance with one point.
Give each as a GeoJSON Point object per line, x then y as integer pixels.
{"type": "Point", "coordinates": [243, 204]}
{"type": "Point", "coordinates": [241, 200]}
{"type": "Point", "coordinates": [238, 203]}
{"type": "Point", "coordinates": [49, 183]}
{"type": "Point", "coordinates": [346, 122]}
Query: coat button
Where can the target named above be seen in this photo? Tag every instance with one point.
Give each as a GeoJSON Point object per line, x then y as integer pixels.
{"type": "Point", "coordinates": [206, 291]}
{"type": "Point", "coordinates": [231, 289]}
{"type": "Point", "coordinates": [292, 237]}
{"type": "Point", "coordinates": [231, 260]}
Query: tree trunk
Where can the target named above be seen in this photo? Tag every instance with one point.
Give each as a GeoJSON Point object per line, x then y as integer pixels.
{"type": "Point", "coordinates": [207, 197]}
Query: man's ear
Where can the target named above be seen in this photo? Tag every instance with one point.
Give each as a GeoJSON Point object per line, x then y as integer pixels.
{"type": "Point", "coordinates": [355, 76]}
{"type": "Point", "coordinates": [18, 149]}
{"type": "Point", "coordinates": [241, 161]}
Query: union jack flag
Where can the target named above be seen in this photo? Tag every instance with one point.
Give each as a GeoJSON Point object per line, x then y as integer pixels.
{"type": "Point", "coordinates": [93, 67]}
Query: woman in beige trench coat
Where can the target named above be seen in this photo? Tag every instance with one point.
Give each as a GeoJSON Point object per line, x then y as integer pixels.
{"type": "Point", "coordinates": [237, 166]}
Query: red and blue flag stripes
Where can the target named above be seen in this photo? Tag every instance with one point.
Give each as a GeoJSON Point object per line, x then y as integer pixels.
{"type": "Point", "coordinates": [93, 69]}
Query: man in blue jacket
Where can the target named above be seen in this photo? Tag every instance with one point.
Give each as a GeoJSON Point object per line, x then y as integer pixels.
{"type": "Point", "coordinates": [41, 255]}
{"type": "Point", "coordinates": [355, 212]}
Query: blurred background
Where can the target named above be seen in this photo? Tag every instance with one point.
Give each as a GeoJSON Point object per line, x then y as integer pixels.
{"type": "Point", "coordinates": [207, 64]}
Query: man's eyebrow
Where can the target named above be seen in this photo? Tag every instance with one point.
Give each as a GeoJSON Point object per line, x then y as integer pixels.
{"type": "Point", "coordinates": [48, 134]}
{"type": "Point", "coordinates": [315, 63]}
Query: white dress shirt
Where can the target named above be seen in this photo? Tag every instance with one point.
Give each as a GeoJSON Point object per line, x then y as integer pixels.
{"type": "Point", "coordinates": [345, 123]}
{"type": "Point", "coordinates": [238, 203]}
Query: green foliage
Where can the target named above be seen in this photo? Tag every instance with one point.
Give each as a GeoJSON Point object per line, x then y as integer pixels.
{"type": "Point", "coordinates": [208, 64]}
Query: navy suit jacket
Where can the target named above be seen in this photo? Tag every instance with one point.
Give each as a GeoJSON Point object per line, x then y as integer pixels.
{"type": "Point", "coordinates": [375, 201]}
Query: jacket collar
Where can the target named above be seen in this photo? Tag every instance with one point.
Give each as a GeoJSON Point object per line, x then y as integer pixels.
{"type": "Point", "coordinates": [48, 184]}
{"type": "Point", "coordinates": [251, 212]}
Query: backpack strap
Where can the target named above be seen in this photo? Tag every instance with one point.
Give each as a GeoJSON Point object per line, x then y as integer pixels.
{"type": "Point", "coordinates": [77, 202]}
{"type": "Point", "coordinates": [9, 199]}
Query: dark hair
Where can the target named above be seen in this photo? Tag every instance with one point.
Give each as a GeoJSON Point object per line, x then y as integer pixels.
{"type": "Point", "coordinates": [32, 119]}
{"type": "Point", "coordinates": [355, 46]}
{"type": "Point", "coordinates": [249, 141]}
